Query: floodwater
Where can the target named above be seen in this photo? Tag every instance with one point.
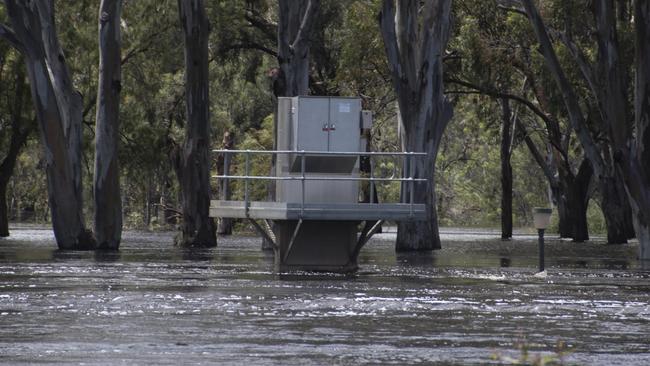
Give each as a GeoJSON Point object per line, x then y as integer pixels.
{"type": "Point", "coordinates": [474, 302]}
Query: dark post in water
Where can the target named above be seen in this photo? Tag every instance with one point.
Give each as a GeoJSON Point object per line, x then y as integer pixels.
{"type": "Point", "coordinates": [541, 218]}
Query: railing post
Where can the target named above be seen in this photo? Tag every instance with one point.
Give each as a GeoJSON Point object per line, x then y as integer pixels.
{"type": "Point", "coordinates": [411, 176]}
{"type": "Point", "coordinates": [372, 182]}
{"type": "Point", "coordinates": [246, 179]}
{"type": "Point", "coordinates": [302, 172]}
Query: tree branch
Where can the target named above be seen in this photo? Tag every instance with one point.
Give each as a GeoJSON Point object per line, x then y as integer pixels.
{"type": "Point", "coordinates": [305, 24]}
{"type": "Point", "coordinates": [534, 151]}
{"type": "Point", "coordinates": [269, 29]}
{"type": "Point", "coordinates": [511, 10]}
{"type": "Point", "coordinates": [9, 35]}
{"type": "Point", "coordinates": [477, 89]}
{"type": "Point", "coordinates": [569, 96]}
{"type": "Point", "coordinates": [249, 46]}
{"type": "Point", "coordinates": [387, 26]}
{"type": "Point", "coordinates": [586, 69]}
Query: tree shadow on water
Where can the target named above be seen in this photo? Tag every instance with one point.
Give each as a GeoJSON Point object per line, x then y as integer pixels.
{"type": "Point", "coordinates": [198, 254]}
{"type": "Point", "coordinates": [416, 259]}
{"type": "Point", "coordinates": [107, 256]}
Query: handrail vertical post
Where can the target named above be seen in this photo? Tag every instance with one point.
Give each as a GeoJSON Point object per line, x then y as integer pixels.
{"type": "Point", "coordinates": [246, 180]}
{"type": "Point", "coordinates": [411, 176]}
{"type": "Point", "coordinates": [372, 182]}
{"type": "Point", "coordinates": [226, 171]}
{"type": "Point", "coordinates": [405, 173]}
{"type": "Point", "coordinates": [302, 180]}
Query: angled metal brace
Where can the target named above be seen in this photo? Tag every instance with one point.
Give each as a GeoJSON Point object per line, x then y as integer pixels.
{"type": "Point", "coordinates": [365, 237]}
{"type": "Point", "coordinates": [260, 230]}
{"type": "Point", "coordinates": [293, 239]}
{"type": "Point", "coordinates": [269, 229]}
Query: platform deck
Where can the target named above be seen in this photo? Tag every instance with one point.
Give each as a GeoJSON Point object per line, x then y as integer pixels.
{"type": "Point", "coordinates": [319, 211]}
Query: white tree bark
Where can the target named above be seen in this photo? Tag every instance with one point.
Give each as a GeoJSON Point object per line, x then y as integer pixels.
{"type": "Point", "coordinates": [34, 35]}
{"type": "Point", "coordinates": [106, 187]}
{"type": "Point", "coordinates": [198, 229]}
{"type": "Point", "coordinates": [415, 52]}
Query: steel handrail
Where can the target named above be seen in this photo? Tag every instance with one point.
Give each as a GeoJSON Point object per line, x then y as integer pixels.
{"type": "Point", "coordinates": [309, 152]}
{"type": "Point", "coordinates": [321, 178]}
{"type": "Point", "coordinates": [408, 158]}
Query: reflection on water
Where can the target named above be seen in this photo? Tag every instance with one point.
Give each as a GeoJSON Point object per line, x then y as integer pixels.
{"type": "Point", "coordinates": [152, 303]}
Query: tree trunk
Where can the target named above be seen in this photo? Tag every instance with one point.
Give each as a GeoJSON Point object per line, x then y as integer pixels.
{"type": "Point", "coordinates": [506, 172]}
{"type": "Point", "coordinates": [106, 188]}
{"type": "Point", "coordinates": [198, 229]}
{"type": "Point", "coordinates": [291, 78]}
{"type": "Point", "coordinates": [610, 93]}
{"type": "Point", "coordinates": [576, 192]}
{"type": "Point", "coordinates": [34, 32]}
{"type": "Point", "coordinates": [414, 48]}
{"type": "Point", "coordinates": [68, 99]}
{"type": "Point", "coordinates": [565, 220]}
{"type": "Point", "coordinates": [614, 210]}
{"type": "Point", "coordinates": [4, 217]}
{"type": "Point", "coordinates": [636, 165]}
{"type": "Point", "coordinates": [21, 128]}
{"type": "Point", "coordinates": [295, 19]}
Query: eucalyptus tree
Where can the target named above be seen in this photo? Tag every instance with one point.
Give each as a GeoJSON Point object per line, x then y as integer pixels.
{"type": "Point", "coordinates": [295, 19]}
{"type": "Point", "coordinates": [106, 187]}
{"type": "Point", "coordinates": [498, 44]}
{"type": "Point", "coordinates": [198, 228]}
{"type": "Point", "coordinates": [626, 151]}
{"type": "Point", "coordinates": [59, 111]}
{"type": "Point", "coordinates": [415, 45]}
{"type": "Point", "coordinates": [590, 125]}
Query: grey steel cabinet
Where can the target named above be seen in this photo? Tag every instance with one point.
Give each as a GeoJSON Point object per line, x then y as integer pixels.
{"type": "Point", "coordinates": [319, 124]}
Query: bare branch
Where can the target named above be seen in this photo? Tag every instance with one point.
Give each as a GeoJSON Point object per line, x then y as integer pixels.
{"type": "Point", "coordinates": [9, 35]}
{"type": "Point", "coordinates": [305, 24]}
{"type": "Point", "coordinates": [511, 10]}
{"type": "Point", "coordinates": [569, 96]}
{"type": "Point", "coordinates": [267, 28]}
{"type": "Point", "coordinates": [586, 68]}
{"type": "Point", "coordinates": [539, 158]}
{"type": "Point", "coordinates": [387, 26]}
{"type": "Point", "coordinates": [249, 46]}
{"type": "Point", "coordinates": [477, 89]}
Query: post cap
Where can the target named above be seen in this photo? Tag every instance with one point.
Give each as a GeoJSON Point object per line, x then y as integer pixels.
{"type": "Point", "coordinates": [542, 217]}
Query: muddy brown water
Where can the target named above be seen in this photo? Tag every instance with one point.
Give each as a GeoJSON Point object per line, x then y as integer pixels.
{"type": "Point", "coordinates": [151, 303]}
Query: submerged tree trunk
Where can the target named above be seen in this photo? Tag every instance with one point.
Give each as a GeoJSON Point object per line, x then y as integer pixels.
{"type": "Point", "coordinates": [106, 188]}
{"type": "Point", "coordinates": [506, 171]}
{"type": "Point", "coordinates": [35, 37]}
{"type": "Point", "coordinates": [198, 228]}
{"type": "Point", "coordinates": [634, 162]}
{"type": "Point", "coordinates": [616, 210]}
{"type": "Point", "coordinates": [610, 94]}
{"type": "Point", "coordinates": [576, 192]}
{"type": "Point", "coordinates": [21, 128]}
{"type": "Point", "coordinates": [414, 48]}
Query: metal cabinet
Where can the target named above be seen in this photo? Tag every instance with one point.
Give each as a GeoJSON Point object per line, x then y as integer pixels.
{"type": "Point", "coordinates": [319, 124]}
{"type": "Point", "coordinates": [326, 123]}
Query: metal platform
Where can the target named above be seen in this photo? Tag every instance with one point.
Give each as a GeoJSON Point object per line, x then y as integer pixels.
{"type": "Point", "coordinates": [318, 211]}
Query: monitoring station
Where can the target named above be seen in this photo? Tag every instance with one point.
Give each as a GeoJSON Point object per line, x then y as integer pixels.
{"type": "Point", "coordinates": [318, 211]}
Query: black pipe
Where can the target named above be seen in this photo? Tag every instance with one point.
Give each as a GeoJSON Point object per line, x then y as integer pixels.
{"type": "Point", "coordinates": [541, 249]}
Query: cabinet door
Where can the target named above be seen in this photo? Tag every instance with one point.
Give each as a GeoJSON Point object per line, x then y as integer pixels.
{"type": "Point", "coordinates": [344, 124]}
{"type": "Point", "coordinates": [312, 124]}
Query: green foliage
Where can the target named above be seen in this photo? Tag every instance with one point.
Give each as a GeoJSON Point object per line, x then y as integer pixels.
{"type": "Point", "coordinates": [490, 47]}
{"type": "Point", "coordinates": [259, 165]}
